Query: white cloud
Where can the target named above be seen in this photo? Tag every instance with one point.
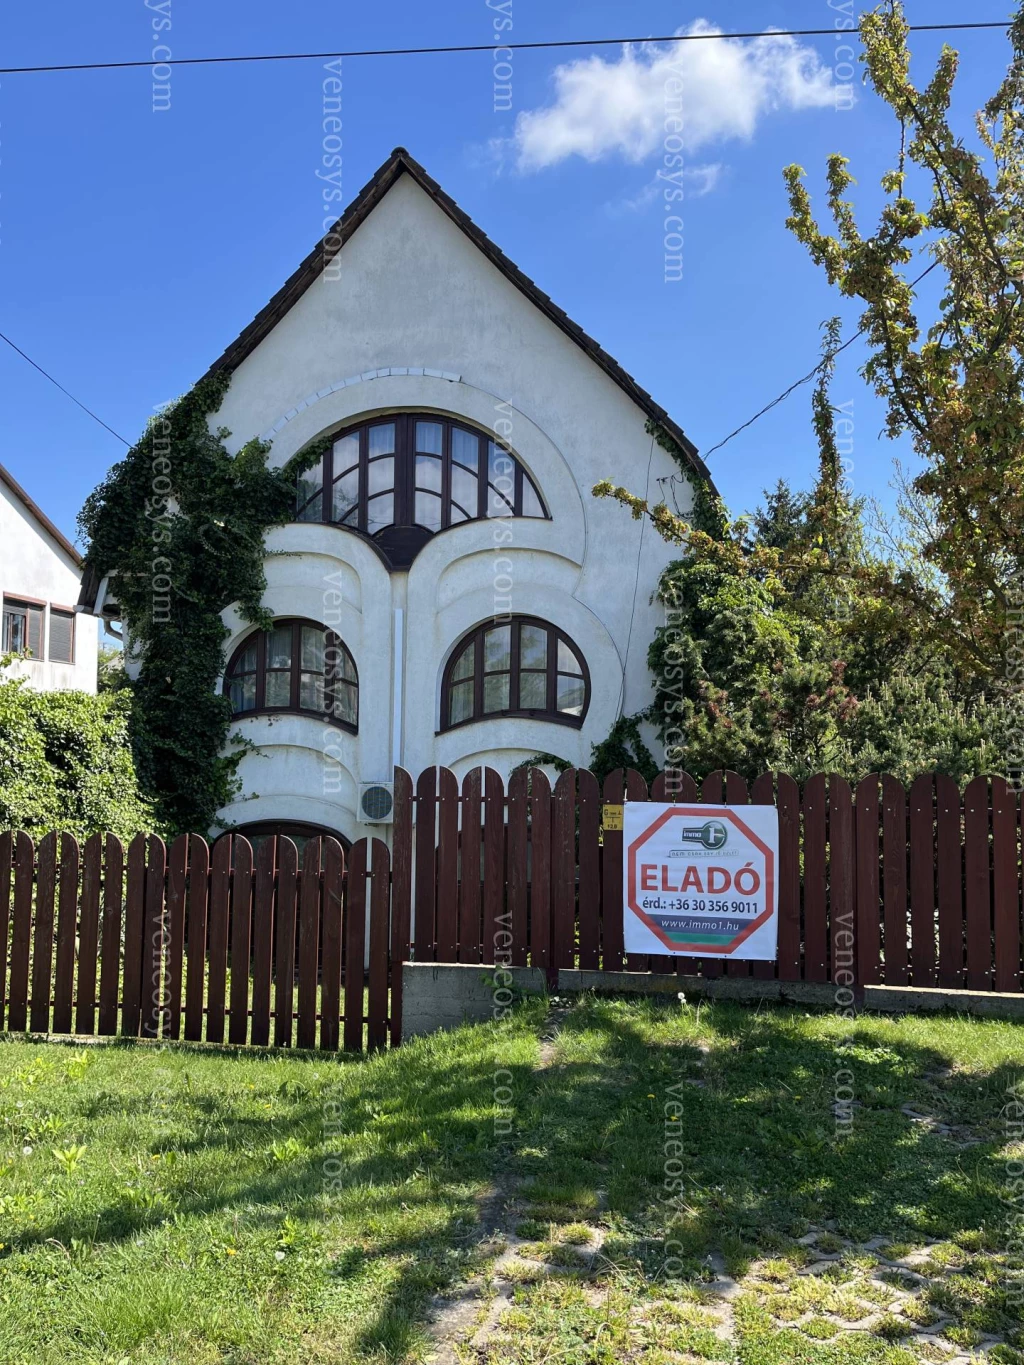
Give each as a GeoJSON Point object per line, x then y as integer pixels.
{"type": "Point", "coordinates": [724, 87]}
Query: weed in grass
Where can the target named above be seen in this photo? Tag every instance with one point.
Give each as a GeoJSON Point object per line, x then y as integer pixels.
{"type": "Point", "coordinates": [892, 1328]}
{"type": "Point", "coordinates": [821, 1329]}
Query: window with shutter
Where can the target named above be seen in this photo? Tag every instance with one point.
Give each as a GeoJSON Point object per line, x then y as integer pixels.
{"type": "Point", "coordinates": [62, 636]}
{"type": "Point", "coordinates": [22, 628]}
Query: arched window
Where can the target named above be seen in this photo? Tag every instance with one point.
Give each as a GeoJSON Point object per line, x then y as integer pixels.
{"type": "Point", "coordinates": [400, 479]}
{"type": "Point", "coordinates": [523, 667]}
{"type": "Point", "coordinates": [294, 666]}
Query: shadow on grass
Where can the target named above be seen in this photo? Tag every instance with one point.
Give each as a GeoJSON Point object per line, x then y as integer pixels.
{"type": "Point", "coordinates": [735, 1147]}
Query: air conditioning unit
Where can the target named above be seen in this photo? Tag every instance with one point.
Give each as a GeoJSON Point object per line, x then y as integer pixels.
{"type": "Point", "coordinates": [377, 803]}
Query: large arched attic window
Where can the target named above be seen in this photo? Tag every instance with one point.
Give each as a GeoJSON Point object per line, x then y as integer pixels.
{"type": "Point", "coordinates": [401, 479]}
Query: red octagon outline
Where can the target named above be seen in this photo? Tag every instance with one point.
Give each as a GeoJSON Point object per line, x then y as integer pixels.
{"type": "Point", "coordinates": [701, 949]}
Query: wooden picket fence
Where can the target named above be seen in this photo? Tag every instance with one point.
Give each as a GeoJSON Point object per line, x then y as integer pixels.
{"type": "Point", "coordinates": [206, 944]}
{"type": "Point", "coordinates": [876, 885]}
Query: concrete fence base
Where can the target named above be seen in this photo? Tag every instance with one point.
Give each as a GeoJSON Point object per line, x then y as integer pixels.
{"type": "Point", "coordinates": [442, 996]}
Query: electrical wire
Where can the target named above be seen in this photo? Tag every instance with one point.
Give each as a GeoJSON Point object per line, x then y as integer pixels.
{"type": "Point", "coordinates": [476, 47]}
{"type": "Point", "coordinates": [66, 392]}
{"type": "Point", "coordinates": [706, 454]}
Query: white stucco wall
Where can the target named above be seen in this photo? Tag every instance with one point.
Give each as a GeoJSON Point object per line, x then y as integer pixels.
{"type": "Point", "coordinates": [413, 294]}
{"type": "Point", "coordinates": [34, 566]}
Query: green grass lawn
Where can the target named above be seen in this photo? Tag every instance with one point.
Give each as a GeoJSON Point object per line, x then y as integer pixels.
{"type": "Point", "coordinates": [174, 1205]}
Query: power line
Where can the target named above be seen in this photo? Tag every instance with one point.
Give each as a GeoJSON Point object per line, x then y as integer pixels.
{"type": "Point", "coordinates": [474, 47]}
{"type": "Point", "coordinates": [706, 454]}
{"type": "Point", "coordinates": [63, 390]}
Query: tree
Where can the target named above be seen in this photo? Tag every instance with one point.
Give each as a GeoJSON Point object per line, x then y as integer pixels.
{"type": "Point", "coordinates": [66, 763]}
{"type": "Point", "coordinates": [956, 384]}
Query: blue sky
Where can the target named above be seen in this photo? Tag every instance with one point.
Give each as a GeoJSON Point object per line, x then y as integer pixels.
{"type": "Point", "coordinates": [135, 245]}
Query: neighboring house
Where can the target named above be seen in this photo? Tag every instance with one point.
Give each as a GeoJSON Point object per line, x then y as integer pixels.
{"type": "Point", "coordinates": [40, 577]}
{"type": "Point", "coordinates": [449, 592]}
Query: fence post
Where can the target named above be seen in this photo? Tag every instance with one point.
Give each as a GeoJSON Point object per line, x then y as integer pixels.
{"type": "Point", "coordinates": [67, 934]}
{"type": "Point", "coordinates": [377, 1004]}
{"type": "Point", "coordinates": [331, 911]}
{"type": "Point", "coordinates": [401, 895]}
{"type": "Point", "coordinates": [355, 944]}
{"type": "Point", "coordinates": [842, 900]}
{"type": "Point", "coordinates": [151, 999]}
{"type": "Point", "coordinates": [563, 874]}
{"type": "Point", "coordinates": [895, 848]}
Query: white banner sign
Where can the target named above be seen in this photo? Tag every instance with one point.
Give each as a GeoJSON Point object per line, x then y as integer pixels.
{"type": "Point", "coordinates": [701, 880]}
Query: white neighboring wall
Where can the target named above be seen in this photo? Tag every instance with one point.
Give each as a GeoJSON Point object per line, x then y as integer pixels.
{"type": "Point", "coordinates": [418, 319]}
{"type": "Point", "coordinates": [35, 567]}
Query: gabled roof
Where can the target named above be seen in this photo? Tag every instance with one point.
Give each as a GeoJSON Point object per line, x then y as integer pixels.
{"type": "Point", "coordinates": [39, 516]}
{"type": "Point", "coordinates": [400, 163]}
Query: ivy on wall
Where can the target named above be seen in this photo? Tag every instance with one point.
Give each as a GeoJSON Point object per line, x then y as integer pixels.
{"type": "Point", "coordinates": [180, 525]}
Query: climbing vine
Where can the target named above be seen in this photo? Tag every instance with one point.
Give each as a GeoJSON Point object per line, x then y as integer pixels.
{"type": "Point", "coordinates": [179, 525]}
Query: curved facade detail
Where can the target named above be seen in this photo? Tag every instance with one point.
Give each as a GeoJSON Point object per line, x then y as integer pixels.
{"type": "Point", "coordinates": [487, 611]}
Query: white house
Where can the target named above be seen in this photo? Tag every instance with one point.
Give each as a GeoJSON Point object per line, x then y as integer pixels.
{"type": "Point", "coordinates": [450, 592]}
{"type": "Point", "coordinates": [40, 577]}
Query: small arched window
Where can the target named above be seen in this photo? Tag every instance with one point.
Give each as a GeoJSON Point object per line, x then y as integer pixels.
{"type": "Point", "coordinates": [402, 478]}
{"type": "Point", "coordinates": [522, 667]}
{"type": "Point", "coordinates": [295, 666]}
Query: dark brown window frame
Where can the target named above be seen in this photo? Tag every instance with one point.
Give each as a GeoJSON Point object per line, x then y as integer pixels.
{"type": "Point", "coordinates": [332, 641]}
{"type": "Point", "coordinates": [549, 712]}
{"type": "Point", "coordinates": [32, 608]}
{"type": "Point", "coordinates": [402, 539]}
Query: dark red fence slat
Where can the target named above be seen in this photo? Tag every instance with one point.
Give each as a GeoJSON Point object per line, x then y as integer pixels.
{"type": "Point", "coordinates": [264, 888]}
{"type": "Point", "coordinates": [21, 932]}
{"type": "Point", "coordinates": [42, 936]}
{"type": "Point", "coordinates": [611, 879]}
{"type": "Point", "coordinates": [355, 942]}
{"type": "Point", "coordinates": [447, 865]}
{"type": "Point", "coordinates": [950, 869]}
{"type": "Point", "coordinates": [309, 944]}
{"type": "Point", "coordinates": [736, 794]}
{"type": "Point", "coordinates": [217, 915]}
{"type": "Point", "coordinates": [331, 911]}
{"type": "Point", "coordinates": [1006, 903]}
{"type": "Point", "coordinates": [88, 934]}
{"type": "Point", "coordinates": [377, 1001]}
{"type": "Point", "coordinates": [787, 801]}
{"type": "Point", "coordinates": [425, 902]}
{"type": "Point", "coordinates": [134, 926]}
{"type": "Point", "coordinates": [977, 885]}
{"type": "Point", "coordinates": [762, 793]}
{"type": "Point", "coordinates": [151, 998]}
{"type": "Point", "coordinates": [518, 846]}
{"type": "Point", "coordinates": [67, 933]}
{"type": "Point", "coordinates": [563, 870]}
{"type": "Point", "coordinates": [470, 871]}
{"type": "Point", "coordinates": [842, 856]}
{"type": "Point", "coordinates": [177, 884]}
{"type": "Point", "coordinates": [895, 853]}
{"type": "Point", "coordinates": [401, 895]}
{"type": "Point", "coordinates": [869, 904]}
{"type": "Point", "coordinates": [284, 925]}
{"type": "Point", "coordinates": [110, 938]}
{"type": "Point", "coordinates": [712, 792]}
{"type": "Point", "coordinates": [6, 884]}
{"type": "Point", "coordinates": [494, 921]}
{"type": "Point", "coordinates": [590, 871]}
{"type": "Point", "coordinates": [540, 871]}
{"type": "Point", "coordinates": [198, 902]}
{"type": "Point", "coordinates": [923, 901]}
{"type": "Point", "coordinates": [815, 879]}
{"type": "Point", "coordinates": [241, 940]}
{"type": "Point", "coordinates": [674, 787]}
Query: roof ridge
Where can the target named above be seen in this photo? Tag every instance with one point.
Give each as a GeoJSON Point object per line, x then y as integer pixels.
{"type": "Point", "coordinates": [34, 510]}
{"type": "Point", "coordinates": [399, 163]}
